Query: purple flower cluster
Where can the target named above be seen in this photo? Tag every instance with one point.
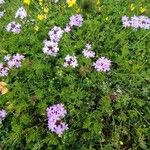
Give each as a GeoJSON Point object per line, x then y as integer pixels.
{"type": "Point", "coordinates": [55, 113]}
{"type": "Point", "coordinates": [51, 46]}
{"type": "Point", "coordinates": [136, 22]}
{"type": "Point", "coordinates": [10, 62]}
{"type": "Point", "coordinates": [13, 27]}
{"type": "Point", "coordinates": [21, 13]}
{"type": "Point", "coordinates": [87, 52]}
{"type": "Point", "coordinates": [75, 20]}
{"type": "Point", "coordinates": [1, 14]}
{"type": "Point", "coordinates": [2, 115]}
{"type": "Point", "coordinates": [70, 61]}
{"type": "Point", "coordinates": [102, 64]}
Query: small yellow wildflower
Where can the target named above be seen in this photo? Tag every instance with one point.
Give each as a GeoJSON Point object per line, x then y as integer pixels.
{"type": "Point", "coordinates": [41, 2]}
{"type": "Point", "coordinates": [98, 2]}
{"type": "Point", "coordinates": [3, 88]}
{"type": "Point", "coordinates": [26, 2]}
{"type": "Point", "coordinates": [121, 143]}
{"type": "Point", "coordinates": [45, 9]}
{"type": "Point", "coordinates": [106, 18]}
{"type": "Point", "coordinates": [71, 3]}
{"type": "Point", "coordinates": [132, 7]}
{"type": "Point", "coordinates": [40, 17]}
{"type": "Point", "coordinates": [142, 9]}
{"type": "Point", "coordinates": [36, 28]}
{"type": "Point", "coordinates": [78, 10]}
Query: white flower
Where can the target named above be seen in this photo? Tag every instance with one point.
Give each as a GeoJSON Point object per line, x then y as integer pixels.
{"type": "Point", "coordinates": [13, 27]}
{"type": "Point", "coordinates": [2, 1]}
{"type": "Point", "coordinates": [1, 14]}
{"type": "Point", "coordinates": [21, 13]}
{"type": "Point", "coordinates": [50, 48]}
{"type": "Point", "coordinates": [70, 61]}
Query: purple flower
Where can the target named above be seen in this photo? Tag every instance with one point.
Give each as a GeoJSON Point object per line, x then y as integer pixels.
{"type": "Point", "coordinates": [13, 27]}
{"type": "Point", "coordinates": [50, 48]}
{"type": "Point", "coordinates": [2, 115]}
{"type": "Point", "coordinates": [102, 64]}
{"type": "Point", "coordinates": [136, 22]}
{"type": "Point", "coordinates": [70, 61]}
{"type": "Point", "coordinates": [67, 29]}
{"type": "Point", "coordinates": [55, 113]}
{"type": "Point", "coordinates": [76, 20]}
{"type": "Point", "coordinates": [55, 34]}
{"type": "Point", "coordinates": [3, 70]}
{"type": "Point", "coordinates": [87, 52]}
{"type": "Point", "coordinates": [21, 13]}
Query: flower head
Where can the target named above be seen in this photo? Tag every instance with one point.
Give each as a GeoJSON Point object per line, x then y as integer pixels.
{"type": "Point", "coordinates": [2, 115]}
{"type": "Point", "coordinates": [55, 113]}
{"type": "Point", "coordinates": [26, 2]}
{"type": "Point", "coordinates": [71, 2]}
{"type": "Point", "coordinates": [70, 61]}
{"type": "Point", "coordinates": [21, 13]}
{"type": "Point", "coordinates": [2, 2]}
{"type": "Point", "coordinates": [102, 64]}
{"type": "Point", "coordinates": [13, 27]}
{"type": "Point", "coordinates": [76, 20]}
{"type": "Point", "coordinates": [1, 14]}
{"type": "Point", "coordinates": [55, 34]}
{"type": "Point", "coordinates": [50, 48]}
{"type": "Point", "coordinates": [87, 52]}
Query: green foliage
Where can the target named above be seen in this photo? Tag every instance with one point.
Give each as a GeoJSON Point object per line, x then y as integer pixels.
{"type": "Point", "coordinates": [107, 111]}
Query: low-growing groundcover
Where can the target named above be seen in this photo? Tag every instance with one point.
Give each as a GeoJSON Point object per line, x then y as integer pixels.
{"type": "Point", "coordinates": [104, 108]}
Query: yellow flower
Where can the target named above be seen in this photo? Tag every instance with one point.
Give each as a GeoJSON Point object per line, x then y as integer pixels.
{"type": "Point", "coordinates": [132, 7]}
{"type": "Point", "coordinates": [45, 9]}
{"type": "Point", "coordinates": [40, 17]}
{"type": "Point", "coordinates": [78, 10]}
{"type": "Point", "coordinates": [36, 28]}
{"type": "Point", "coordinates": [142, 9]}
{"type": "Point", "coordinates": [121, 143]}
{"type": "Point", "coordinates": [98, 2]}
{"type": "Point", "coordinates": [106, 18]}
{"type": "Point", "coordinates": [71, 3]}
{"type": "Point", "coordinates": [26, 2]}
{"type": "Point", "coordinates": [3, 88]}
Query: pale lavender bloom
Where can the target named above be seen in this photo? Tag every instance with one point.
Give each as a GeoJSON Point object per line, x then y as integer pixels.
{"type": "Point", "coordinates": [21, 13]}
{"type": "Point", "coordinates": [55, 34]}
{"type": "Point", "coordinates": [2, 115]}
{"type": "Point", "coordinates": [55, 113]}
{"type": "Point", "coordinates": [1, 14]}
{"type": "Point", "coordinates": [70, 61]}
{"type": "Point", "coordinates": [15, 61]}
{"type": "Point", "coordinates": [2, 2]}
{"type": "Point", "coordinates": [76, 20]}
{"type": "Point", "coordinates": [136, 22]}
{"type": "Point", "coordinates": [57, 110]}
{"type": "Point", "coordinates": [102, 64]}
{"type": "Point", "coordinates": [3, 70]}
{"type": "Point", "coordinates": [18, 57]}
{"type": "Point", "coordinates": [50, 48]}
{"type": "Point", "coordinates": [88, 46]}
{"type": "Point", "coordinates": [13, 27]}
{"type": "Point", "coordinates": [67, 29]}
{"type": "Point", "coordinates": [88, 53]}
{"type": "Point", "coordinates": [125, 21]}
{"type": "Point", "coordinates": [7, 57]}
